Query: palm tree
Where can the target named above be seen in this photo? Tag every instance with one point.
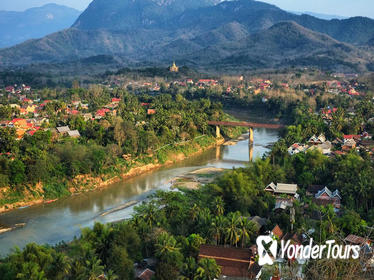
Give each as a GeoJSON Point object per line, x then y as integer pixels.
{"type": "Point", "coordinates": [204, 221]}
{"type": "Point", "coordinates": [195, 212]}
{"type": "Point", "coordinates": [166, 246]}
{"type": "Point", "coordinates": [218, 228]}
{"type": "Point", "coordinates": [247, 228]}
{"type": "Point", "coordinates": [233, 228]}
{"type": "Point", "coordinates": [219, 206]}
{"type": "Point", "coordinates": [95, 269]}
{"type": "Point", "coordinates": [61, 266]}
{"type": "Point", "coordinates": [111, 276]}
{"type": "Point", "coordinates": [189, 269]}
{"type": "Point", "coordinates": [208, 270]}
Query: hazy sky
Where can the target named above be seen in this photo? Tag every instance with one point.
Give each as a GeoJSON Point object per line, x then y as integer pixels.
{"type": "Point", "coordinates": [334, 7]}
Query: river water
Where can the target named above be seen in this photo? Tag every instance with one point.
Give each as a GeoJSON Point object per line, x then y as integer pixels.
{"type": "Point", "coordinates": [63, 219]}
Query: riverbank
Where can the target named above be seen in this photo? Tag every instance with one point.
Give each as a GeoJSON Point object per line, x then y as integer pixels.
{"type": "Point", "coordinates": [84, 183]}
{"type": "Point", "coordinates": [193, 180]}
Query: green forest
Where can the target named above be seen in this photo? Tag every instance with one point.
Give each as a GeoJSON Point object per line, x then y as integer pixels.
{"type": "Point", "coordinates": [143, 138]}
{"type": "Point", "coordinates": [172, 225]}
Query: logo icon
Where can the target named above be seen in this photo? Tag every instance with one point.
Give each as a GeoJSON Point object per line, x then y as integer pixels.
{"type": "Point", "coordinates": [265, 245]}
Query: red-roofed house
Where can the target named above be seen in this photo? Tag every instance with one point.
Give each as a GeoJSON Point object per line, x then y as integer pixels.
{"type": "Point", "coordinates": [151, 111]}
{"type": "Point", "coordinates": [353, 92]}
{"type": "Point", "coordinates": [277, 232]}
{"type": "Point", "coordinates": [116, 100]}
{"type": "Point", "coordinates": [10, 89]}
{"type": "Point", "coordinates": [146, 274]}
{"type": "Point", "coordinates": [101, 113]}
{"type": "Point", "coordinates": [27, 100]}
{"type": "Point", "coordinates": [352, 136]}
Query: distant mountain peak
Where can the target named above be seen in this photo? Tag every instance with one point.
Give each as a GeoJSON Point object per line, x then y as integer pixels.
{"type": "Point", "coordinates": [129, 14]}
{"type": "Point", "coordinates": [37, 22]}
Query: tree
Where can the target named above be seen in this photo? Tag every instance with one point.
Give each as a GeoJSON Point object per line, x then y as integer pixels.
{"type": "Point", "coordinates": [7, 140]}
{"type": "Point", "coordinates": [94, 268]}
{"type": "Point", "coordinates": [166, 247]}
{"type": "Point", "coordinates": [189, 269]}
{"type": "Point", "coordinates": [219, 206]}
{"type": "Point", "coordinates": [233, 228]}
{"type": "Point", "coordinates": [170, 257]}
{"type": "Point", "coordinates": [17, 172]}
{"type": "Point", "coordinates": [218, 228]}
{"type": "Point", "coordinates": [60, 267]}
{"type": "Point", "coordinates": [195, 241]}
{"type": "Point", "coordinates": [119, 131]}
{"type": "Point", "coordinates": [208, 270]}
{"type": "Point", "coordinates": [351, 223]}
{"type": "Point", "coordinates": [247, 230]}
{"type": "Point", "coordinates": [120, 263]}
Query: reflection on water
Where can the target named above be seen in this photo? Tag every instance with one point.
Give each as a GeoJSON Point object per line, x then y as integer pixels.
{"type": "Point", "coordinates": [64, 219]}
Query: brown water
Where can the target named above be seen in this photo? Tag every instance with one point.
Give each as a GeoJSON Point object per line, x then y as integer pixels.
{"type": "Point", "coordinates": [62, 220]}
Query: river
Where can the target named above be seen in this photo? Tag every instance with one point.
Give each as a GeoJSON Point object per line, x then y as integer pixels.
{"type": "Point", "coordinates": [63, 219]}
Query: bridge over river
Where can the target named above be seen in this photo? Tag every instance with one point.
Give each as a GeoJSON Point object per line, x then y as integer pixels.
{"type": "Point", "coordinates": [250, 125]}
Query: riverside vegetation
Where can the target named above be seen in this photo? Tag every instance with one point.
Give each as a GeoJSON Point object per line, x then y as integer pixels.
{"type": "Point", "coordinates": [172, 225]}
{"type": "Point", "coordinates": [44, 165]}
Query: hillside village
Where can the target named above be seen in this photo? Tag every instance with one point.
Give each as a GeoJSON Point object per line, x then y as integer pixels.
{"type": "Point", "coordinates": [30, 113]}
{"type": "Point", "coordinates": [64, 112]}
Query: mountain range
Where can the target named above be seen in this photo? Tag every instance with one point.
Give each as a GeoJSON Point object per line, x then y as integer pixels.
{"type": "Point", "coordinates": [17, 27]}
{"type": "Point", "coordinates": [241, 34]}
{"type": "Point", "coordinates": [319, 15]}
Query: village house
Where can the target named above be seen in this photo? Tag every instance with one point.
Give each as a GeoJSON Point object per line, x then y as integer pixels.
{"type": "Point", "coordinates": [366, 249]}
{"type": "Point", "coordinates": [146, 274]}
{"type": "Point", "coordinates": [87, 116]}
{"type": "Point", "coordinates": [314, 140]}
{"type": "Point", "coordinates": [26, 88]}
{"type": "Point", "coordinates": [324, 148]}
{"type": "Point", "coordinates": [23, 126]}
{"type": "Point", "coordinates": [367, 145]}
{"type": "Point", "coordinates": [325, 196]}
{"type": "Point", "coordinates": [116, 100]}
{"type": "Point", "coordinates": [327, 113]}
{"type": "Point", "coordinates": [74, 133]}
{"type": "Point", "coordinates": [189, 82]}
{"type": "Point", "coordinates": [101, 113]}
{"type": "Point", "coordinates": [293, 237]}
{"type": "Point", "coordinates": [357, 240]}
{"type": "Point", "coordinates": [280, 188]}
{"type": "Point", "coordinates": [63, 130]}
{"type": "Point", "coordinates": [282, 204]}
{"type": "Point", "coordinates": [10, 89]}
{"type": "Point", "coordinates": [366, 136]}
{"type": "Point", "coordinates": [260, 222]}
{"type": "Point", "coordinates": [151, 111]}
{"type": "Point", "coordinates": [349, 142]}
{"type": "Point", "coordinates": [207, 82]}
{"type": "Point", "coordinates": [235, 263]}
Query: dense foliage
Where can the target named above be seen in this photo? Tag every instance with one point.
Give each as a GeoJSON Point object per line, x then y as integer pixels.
{"type": "Point", "coordinates": [110, 145]}
{"type": "Point", "coordinates": [171, 226]}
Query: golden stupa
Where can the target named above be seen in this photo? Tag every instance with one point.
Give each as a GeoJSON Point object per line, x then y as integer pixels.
{"type": "Point", "coordinates": [174, 68]}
